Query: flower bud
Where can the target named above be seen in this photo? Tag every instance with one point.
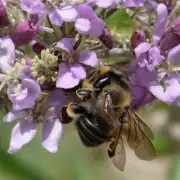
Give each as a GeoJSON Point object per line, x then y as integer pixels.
{"type": "Point", "coordinates": [137, 38]}
{"type": "Point", "coordinates": [171, 38]}
{"type": "Point", "coordinates": [5, 24]}
{"type": "Point", "coordinates": [106, 38]}
{"type": "Point", "coordinates": [24, 32]}
{"type": "Point", "coordinates": [176, 26]}
{"type": "Point", "coordinates": [37, 47]}
{"type": "Point", "coordinates": [4, 20]}
{"type": "Point", "coordinates": [169, 3]}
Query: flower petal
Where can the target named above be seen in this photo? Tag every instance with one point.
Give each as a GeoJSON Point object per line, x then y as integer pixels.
{"type": "Point", "coordinates": [78, 70]}
{"type": "Point", "coordinates": [7, 54]}
{"type": "Point", "coordinates": [22, 133]}
{"type": "Point", "coordinates": [170, 95]}
{"type": "Point", "coordinates": [137, 95]}
{"type": "Point", "coordinates": [55, 18]}
{"type": "Point", "coordinates": [132, 3]}
{"type": "Point", "coordinates": [66, 79]}
{"type": "Point", "coordinates": [141, 48]}
{"type": "Point", "coordinates": [66, 43]}
{"type": "Point", "coordinates": [174, 56]}
{"type": "Point", "coordinates": [52, 133]}
{"type": "Point", "coordinates": [68, 13]}
{"type": "Point", "coordinates": [83, 25]}
{"type": "Point", "coordinates": [143, 77]}
{"type": "Point", "coordinates": [25, 95]}
{"type": "Point", "coordinates": [33, 87]}
{"type": "Point", "coordinates": [32, 7]}
{"type": "Point", "coordinates": [97, 27]}
{"type": "Point", "coordinates": [86, 11]}
{"type": "Point", "coordinates": [104, 3]}
{"type": "Point", "coordinates": [14, 115]}
{"type": "Point", "coordinates": [57, 100]}
{"type": "Point", "coordinates": [160, 22]}
{"type": "Point", "coordinates": [154, 58]}
{"type": "Point", "coordinates": [87, 57]}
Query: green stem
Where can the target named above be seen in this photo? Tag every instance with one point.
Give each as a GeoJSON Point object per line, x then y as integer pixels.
{"type": "Point", "coordinates": [81, 45]}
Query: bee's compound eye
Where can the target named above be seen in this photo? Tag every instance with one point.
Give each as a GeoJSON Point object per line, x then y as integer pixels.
{"type": "Point", "coordinates": [64, 116]}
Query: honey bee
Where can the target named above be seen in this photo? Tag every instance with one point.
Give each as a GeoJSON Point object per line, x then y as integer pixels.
{"type": "Point", "coordinates": [92, 128]}
{"type": "Point", "coordinates": [110, 94]}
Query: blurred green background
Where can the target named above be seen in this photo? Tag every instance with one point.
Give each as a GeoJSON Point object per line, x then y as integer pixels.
{"type": "Point", "coordinates": [73, 161]}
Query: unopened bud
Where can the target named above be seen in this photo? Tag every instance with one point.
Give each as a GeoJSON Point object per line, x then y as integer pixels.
{"type": "Point", "coordinates": [171, 38]}
{"type": "Point", "coordinates": [169, 3]}
{"type": "Point", "coordinates": [24, 32]}
{"type": "Point", "coordinates": [4, 20]}
{"type": "Point", "coordinates": [137, 38]}
{"type": "Point", "coordinates": [106, 38]}
{"type": "Point", "coordinates": [37, 47]}
{"type": "Point", "coordinates": [176, 26]}
{"type": "Point", "coordinates": [5, 24]}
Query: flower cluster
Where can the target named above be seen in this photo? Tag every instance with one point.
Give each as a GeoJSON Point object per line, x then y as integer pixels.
{"type": "Point", "coordinates": [48, 46]}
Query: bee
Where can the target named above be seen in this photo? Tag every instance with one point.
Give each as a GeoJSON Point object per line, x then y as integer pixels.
{"type": "Point", "coordinates": [110, 91]}
{"type": "Point", "coordinates": [92, 128]}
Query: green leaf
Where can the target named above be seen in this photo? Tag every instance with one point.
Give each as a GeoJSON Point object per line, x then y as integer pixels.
{"type": "Point", "coordinates": [120, 23]}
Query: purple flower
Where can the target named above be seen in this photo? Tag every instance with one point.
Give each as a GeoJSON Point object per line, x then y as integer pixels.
{"type": "Point", "coordinates": [124, 3]}
{"type": "Point", "coordinates": [148, 56]}
{"type": "Point", "coordinates": [140, 95]}
{"type": "Point", "coordinates": [132, 3]}
{"type": "Point", "coordinates": [88, 22]}
{"type": "Point", "coordinates": [171, 38]}
{"type": "Point", "coordinates": [164, 86]}
{"type": "Point", "coordinates": [23, 95]}
{"type": "Point", "coordinates": [7, 54]}
{"type": "Point", "coordinates": [173, 56]}
{"type": "Point", "coordinates": [145, 78]}
{"type": "Point", "coordinates": [104, 4]}
{"type": "Point", "coordinates": [160, 22]}
{"type": "Point", "coordinates": [171, 92]}
{"type": "Point", "coordinates": [57, 16]}
{"type": "Point", "coordinates": [25, 130]}
{"type": "Point", "coordinates": [71, 73]}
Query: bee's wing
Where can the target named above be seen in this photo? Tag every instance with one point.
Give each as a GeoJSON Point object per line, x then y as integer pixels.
{"type": "Point", "coordinates": [108, 107]}
{"type": "Point", "coordinates": [105, 108]}
{"type": "Point", "coordinates": [119, 159]}
{"type": "Point", "coordinates": [139, 137]}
